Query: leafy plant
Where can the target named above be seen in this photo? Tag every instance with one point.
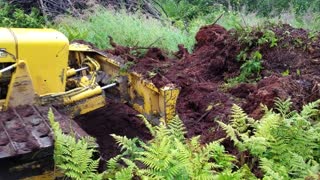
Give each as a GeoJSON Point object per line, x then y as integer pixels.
{"type": "Point", "coordinates": [268, 37]}
{"type": "Point", "coordinates": [169, 155]}
{"type": "Point", "coordinates": [252, 65]}
{"type": "Point", "coordinates": [286, 142]}
{"type": "Point", "coordinates": [74, 157]}
{"type": "Point", "coordinates": [12, 16]}
{"type": "Point", "coordinates": [250, 68]}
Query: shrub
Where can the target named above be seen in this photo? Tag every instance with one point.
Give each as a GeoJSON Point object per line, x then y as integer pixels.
{"type": "Point", "coordinates": [12, 16]}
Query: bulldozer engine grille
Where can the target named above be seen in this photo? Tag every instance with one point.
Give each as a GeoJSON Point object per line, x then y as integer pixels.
{"type": "Point", "coordinates": [25, 129]}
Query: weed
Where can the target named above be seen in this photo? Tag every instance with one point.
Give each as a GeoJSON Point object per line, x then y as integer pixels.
{"type": "Point", "coordinates": [268, 37]}
{"type": "Point", "coordinates": [313, 35]}
{"type": "Point", "coordinates": [286, 73]}
{"type": "Point", "coordinates": [298, 72]}
{"type": "Point", "coordinates": [251, 67]}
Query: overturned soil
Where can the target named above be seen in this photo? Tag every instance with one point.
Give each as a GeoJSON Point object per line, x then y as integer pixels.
{"type": "Point", "coordinates": [290, 70]}
{"type": "Point", "coordinates": [115, 118]}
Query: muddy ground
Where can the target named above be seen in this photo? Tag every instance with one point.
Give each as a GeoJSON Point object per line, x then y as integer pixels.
{"type": "Point", "coordinates": [290, 69]}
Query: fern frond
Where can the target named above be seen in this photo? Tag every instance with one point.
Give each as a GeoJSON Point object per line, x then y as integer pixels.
{"type": "Point", "coordinates": [112, 163]}
{"type": "Point", "coordinates": [177, 128]}
{"type": "Point", "coordinates": [231, 132]}
{"type": "Point", "coordinates": [310, 109]}
{"type": "Point", "coordinates": [73, 156]}
{"type": "Point", "coordinates": [283, 106]}
{"type": "Point", "coordinates": [266, 124]}
{"type": "Point", "coordinates": [125, 143]}
{"type": "Point", "coordinates": [239, 119]}
{"type": "Point", "coordinates": [268, 167]}
{"type": "Point", "coordinates": [124, 174]}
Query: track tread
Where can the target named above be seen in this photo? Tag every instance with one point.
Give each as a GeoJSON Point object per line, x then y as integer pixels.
{"type": "Point", "coordinates": [26, 128]}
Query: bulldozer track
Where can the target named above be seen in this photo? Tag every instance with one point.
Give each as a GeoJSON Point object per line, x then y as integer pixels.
{"type": "Point", "coordinates": [26, 129]}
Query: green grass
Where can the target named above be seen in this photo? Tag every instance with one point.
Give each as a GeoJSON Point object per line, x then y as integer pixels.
{"type": "Point", "coordinates": [126, 29]}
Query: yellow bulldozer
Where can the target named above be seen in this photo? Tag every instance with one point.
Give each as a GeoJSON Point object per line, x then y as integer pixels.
{"type": "Point", "coordinates": [40, 70]}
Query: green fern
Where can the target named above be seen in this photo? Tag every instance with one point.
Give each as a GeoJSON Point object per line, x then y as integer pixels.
{"type": "Point", "coordinates": [74, 157]}
{"type": "Point", "coordinates": [169, 155]}
{"type": "Point", "coordinates": [286, 142]}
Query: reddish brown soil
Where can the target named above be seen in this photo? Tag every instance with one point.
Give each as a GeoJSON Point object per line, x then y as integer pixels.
{"type": "Point", "coordinates": [115, 118]}
{"type": "Point", "coordinates": [202, 74]}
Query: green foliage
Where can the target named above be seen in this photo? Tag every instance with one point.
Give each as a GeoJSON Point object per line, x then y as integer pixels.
{"type": "Point", "coordinates": [134, 30]}
{"type": "Point", "coordinates": [253, 39]}
{"type": "Point", "coordinates": [12, 16]}
{"type": "Point", "coordinates": [268, 37]}
{"type": "Point", "coordinates": [169, 155]}
{"type": "Point", "coordinates": [74, 157]}
{"type": "Point", "coordinates": [250, 68]}
{"type": "Point", "coordinates": [286, 142]}
{"type": "Point", "coordinates": [252, 65]}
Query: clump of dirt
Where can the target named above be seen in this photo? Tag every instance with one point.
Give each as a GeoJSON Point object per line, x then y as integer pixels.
{"type": "Point", "coordinates": [115, 118]}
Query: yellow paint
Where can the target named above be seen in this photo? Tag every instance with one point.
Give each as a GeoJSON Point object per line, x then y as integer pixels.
{"type": "Point", "coordinates": [21, 91]}
{"type": "Point", "coordinates": [81, 96]}
{"type": "Point", "coordinates": [44, 50]}
{"type": "Point", "coordinates": [71, 72]}
{"type": "Point", "coordinates": [80, 47]}
{"type": "Point", "coordinates": [170, 95]}
{"type": "Point", "coordinates": [7, 42]}
{"type": "Point", "coordinates": [87, 105]}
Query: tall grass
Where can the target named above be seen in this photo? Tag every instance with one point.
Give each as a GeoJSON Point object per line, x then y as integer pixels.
{"type": "Point", "coordinates": [126, 29]}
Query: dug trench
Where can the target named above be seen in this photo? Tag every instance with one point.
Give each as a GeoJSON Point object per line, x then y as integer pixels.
{"type": "Point", "coordinates": [289, 70]}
